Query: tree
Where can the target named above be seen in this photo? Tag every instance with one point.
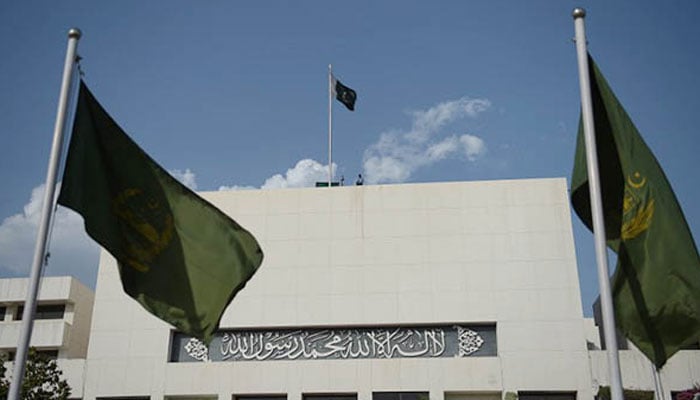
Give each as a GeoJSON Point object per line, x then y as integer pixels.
{"type": "Point", "coordinates": [42, 379]}
{"type": "Point", "coordinates": [4, 384]}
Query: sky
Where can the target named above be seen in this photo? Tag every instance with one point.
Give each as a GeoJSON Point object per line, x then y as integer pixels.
{"type": "Point", "coordinates": [229, 95]}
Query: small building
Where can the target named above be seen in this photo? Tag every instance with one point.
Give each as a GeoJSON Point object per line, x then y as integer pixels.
{"type": "Point", "coordinates": [61, 326]}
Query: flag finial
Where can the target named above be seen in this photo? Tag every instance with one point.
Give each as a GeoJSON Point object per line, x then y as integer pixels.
{"type": "Point", "coordinates": [579, 13]}
{"type": "Point", "coordinates": [74, 33]}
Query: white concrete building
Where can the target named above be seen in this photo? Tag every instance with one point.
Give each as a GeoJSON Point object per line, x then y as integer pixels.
{"type": "Point", "coordinates": [61, 325]}
{"type": "Point", "coordinates": [495, 258]}
{"type": "Point", "coordinates": [452, 291]}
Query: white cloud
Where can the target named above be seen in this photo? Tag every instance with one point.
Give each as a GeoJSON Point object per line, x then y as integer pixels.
{"type": "Point", "coordinates": [186, 177]}
{"type": "Point", "coordinates": [473, 146]}
{"type": "Point", "coordinates": [442, 150]}
{"type": "Point", "coordinates": [426, 122]}
{"type": "Point", "coordinates": [235, 187]}
{"type": "Point", "coordinates": [386, 169]}
{"type": "Point", "coordinates": [72, 252]}
{"type": "Point", "coordinates": [305, 173]}
{"type": "Point", "coordinates": [397, 154]}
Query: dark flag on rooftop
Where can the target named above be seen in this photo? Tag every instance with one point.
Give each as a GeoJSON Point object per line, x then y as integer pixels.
{"type": "Point", "coordinates": [344, 94]}
{"type": "Point", "coordinates": [180, 257]}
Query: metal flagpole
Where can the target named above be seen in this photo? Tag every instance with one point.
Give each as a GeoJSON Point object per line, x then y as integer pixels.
{"type": "Point", "coordinates": [330, 124]}
{"type": "Point", "coordinates": [658, 387]}
{"type": "Point", "coordinates": [597, 208]}
{"type": "Point", "coordinates": [47, 207]}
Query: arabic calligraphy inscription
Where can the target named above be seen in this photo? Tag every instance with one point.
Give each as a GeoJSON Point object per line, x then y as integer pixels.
{"type": "Point", "coordinates": [358, 343]}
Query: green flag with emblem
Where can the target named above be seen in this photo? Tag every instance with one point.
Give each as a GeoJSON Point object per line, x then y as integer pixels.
{"type": "Point", "coordinates": [656, 285]}
{"type": "Point", "coordinates": [344, 94]}
{"type": "Point", "coordinates": [180, 257]}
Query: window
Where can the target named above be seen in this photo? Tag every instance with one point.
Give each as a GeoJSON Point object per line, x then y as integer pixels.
{"type": "Point", "coordinates": [44, 311]}
{"type": "Point", "coordinates": [685, 394]}
{"type": "Point", "coordinates": [3, 310]}
{"type": "Point", "coordinates": [604, 394]}
{"type": "Point", "coordinates": [263, 397]}
{"type": "Point", "coordinates": [200, 397]}
{"type": "Point", "coordinates": [50, 354]}
{"type": "Point", "coordinates": [473, 396]}
{"type": "Point", "coordinates": [400, 396]}
{"type": "Point", "coordinates": [546, 395]}
{"type": "Point", "coordinates": [125, 398]}
{"type": "Point", "coordinates": [329, 397]}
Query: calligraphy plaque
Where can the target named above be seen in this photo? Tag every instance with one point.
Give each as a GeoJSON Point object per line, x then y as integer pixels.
{"type": "Point", "coordinates": [339, 343]}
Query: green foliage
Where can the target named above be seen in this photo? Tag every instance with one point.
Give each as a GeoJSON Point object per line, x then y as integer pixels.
{"type": "Point", "coordinates": [4, 383]}
{"type": "Point", "coordinates": [511, 396]}
{"type": "Point", "coordinates": [42, 379]}
{"type": "Point", "coordinates": [628, 394]}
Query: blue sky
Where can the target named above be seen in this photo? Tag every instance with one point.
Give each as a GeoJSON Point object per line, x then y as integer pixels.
{"type": "Point", "coordinates": [229, 94]}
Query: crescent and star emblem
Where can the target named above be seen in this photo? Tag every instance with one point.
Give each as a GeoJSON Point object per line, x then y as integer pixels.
{"type": "Point", "coordinates": [636, 180]}
{"type": "Point", "coordinates": [637, 207]}
{"type": "Point", "coordinates": [147, 227]}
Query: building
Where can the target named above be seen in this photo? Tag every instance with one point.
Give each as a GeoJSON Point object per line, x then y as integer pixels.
{"type": "Point", "coordinates": [446, 291]}
{"type": "Point", "coordinates": [61, 325]}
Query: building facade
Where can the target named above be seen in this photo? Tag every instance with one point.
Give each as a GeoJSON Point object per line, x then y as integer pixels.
{"type": "Point", "coordinates": [440, 291]}
{"type": "Point", "coordinates": [61, 326]}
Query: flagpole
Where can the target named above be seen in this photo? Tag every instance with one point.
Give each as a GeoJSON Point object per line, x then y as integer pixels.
{"type": "Point", "coordinates": [330, 124]}
{"type": "Point", "coordinates": [658, 386]}
{"type": "Point", "coordinates": [609, 330]}
{"type": "Point", "coordinates": [47, 207]}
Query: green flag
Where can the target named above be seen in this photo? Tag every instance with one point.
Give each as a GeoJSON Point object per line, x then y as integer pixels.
{"type": "Point", "coordinates": [344, 94]}
{"type": "Point", "coordinates": [656, 285]}
{"type": "Point", "coordinates": [178, 255]}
